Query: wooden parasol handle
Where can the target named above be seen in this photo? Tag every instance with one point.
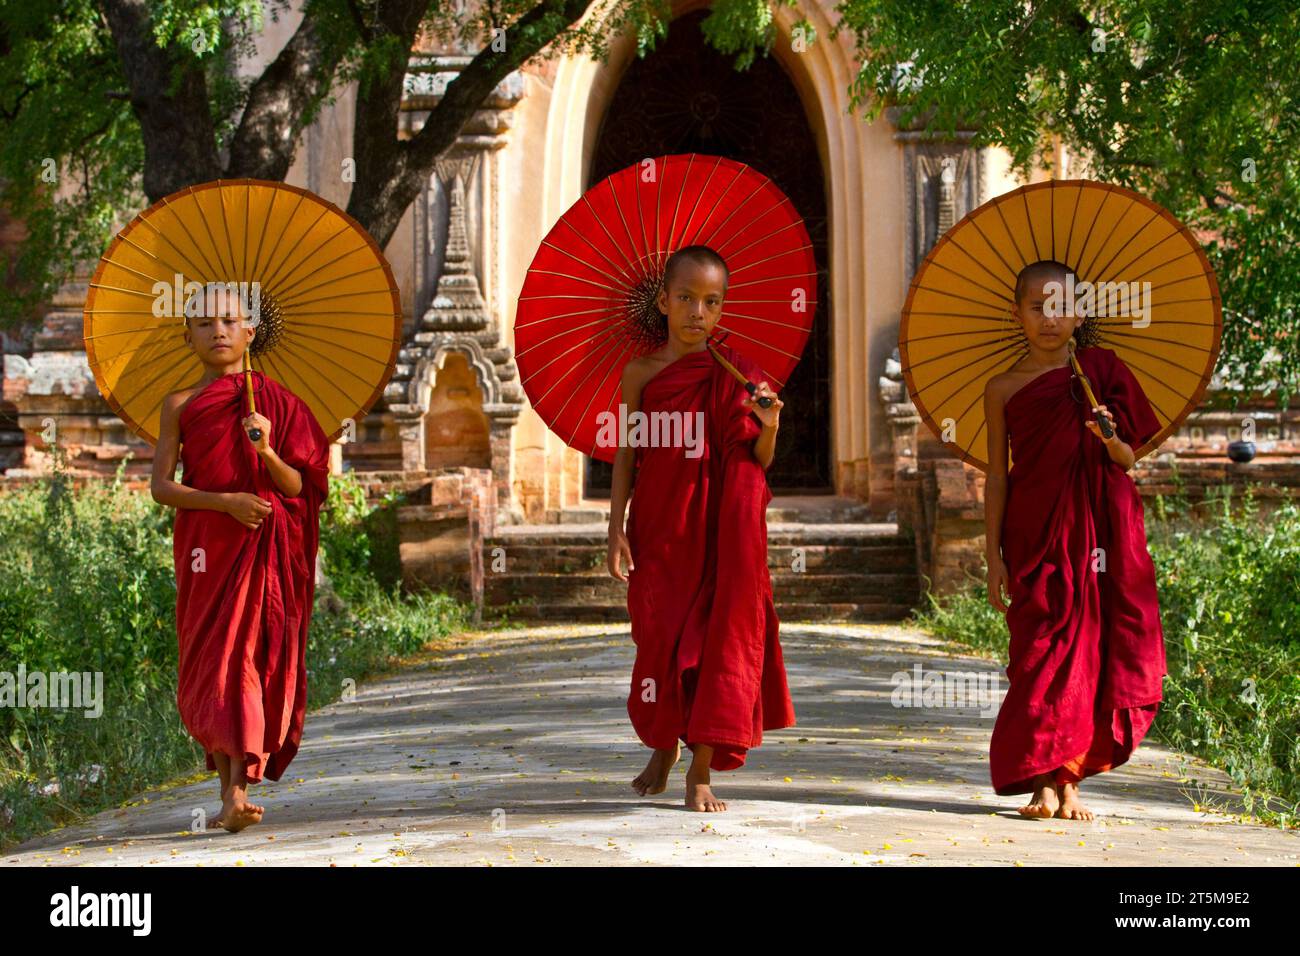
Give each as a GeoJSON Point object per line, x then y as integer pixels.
{"type": "Point", "coordinates": [254, 434]}
{"type": "Point", "coordinates": [1102, 423]}
{"type": "Point", "coordinates": [765, 401]}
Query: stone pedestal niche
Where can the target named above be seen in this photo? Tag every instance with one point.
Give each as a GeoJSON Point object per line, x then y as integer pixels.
{"type": "Point", "coordinates": [455, 394]}
{"type": "Point", "coordinates": [945, 179]}
{"type": "Point", "coordinates": [938, 497]}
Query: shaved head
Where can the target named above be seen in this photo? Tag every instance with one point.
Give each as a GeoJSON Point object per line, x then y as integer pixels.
{"type": "Point", "coordinates": [701, 255]}
{"type": "Point", "coordinates": [1044, 270]}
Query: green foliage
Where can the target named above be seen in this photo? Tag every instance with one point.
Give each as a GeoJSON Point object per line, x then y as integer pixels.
{"type": "Point", "coordinates": [343, 540]}
{"type": "Point", "coordinates": [358, 541]}
{"type": "Point", "coordinates": [62, 120]}
{"type": "Point", "coordinates": [740, 27]}
{"type": "Point", "coordinates": [87, 584]}
{"type": "Point", "coordinates": [1194, 105]}
{"type": "Point", "coordinates": [378, 627]}
{"type": "Point", "coordinates": [1230, 602]}
{"type": "Point", "coordinates": [966, 617]}
{"type": "Point", "coordinates": [1229, 589]}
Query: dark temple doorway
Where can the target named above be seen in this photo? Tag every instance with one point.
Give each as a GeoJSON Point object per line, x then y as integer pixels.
{"type": "Point", "coordinates": [686, 97]}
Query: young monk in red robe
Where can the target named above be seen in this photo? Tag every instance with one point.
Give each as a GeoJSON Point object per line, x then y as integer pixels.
{"type": "Point", "coordinates": [244, 542]}
{"type": "Point", "coordinates": [1066, 537]}
{"type": "Point", "coordinates": [708, 665]}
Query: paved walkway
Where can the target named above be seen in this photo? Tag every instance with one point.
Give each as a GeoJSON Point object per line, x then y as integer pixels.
{"type": "Point", "coordinates": [514, 748]}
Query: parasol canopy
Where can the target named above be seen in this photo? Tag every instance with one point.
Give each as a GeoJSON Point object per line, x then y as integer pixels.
{"type": "Point", "coordinates": [328, 313]}
{"type": "Point", "coordinates": [587, 306]}
{"type": "Point", "coordinates": [1155, 302]}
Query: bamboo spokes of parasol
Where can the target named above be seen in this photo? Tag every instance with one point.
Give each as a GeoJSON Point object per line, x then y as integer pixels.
{"type": "Point", "coordinates": [1147, 293]}
{"type": "Point", "coordinates": [589, 302]}
{"type": "Point", "coordinates": [325, 304]}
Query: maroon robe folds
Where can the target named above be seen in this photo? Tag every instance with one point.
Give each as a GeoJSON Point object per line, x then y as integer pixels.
{"type": "Point", "coordinates": [1087, 652]}
{"type": "Point", "coordinates": [708, 659]}
{"type": "Point", "coordinates": [242, 620]}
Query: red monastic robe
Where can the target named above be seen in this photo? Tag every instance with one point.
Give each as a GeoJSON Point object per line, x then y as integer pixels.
{"type": "Point", "coordinates": [708, 659]}
{"type": "Point", "coordinates": [242, 620]}
{"type": "Point", "coordinates": [1087, 652]}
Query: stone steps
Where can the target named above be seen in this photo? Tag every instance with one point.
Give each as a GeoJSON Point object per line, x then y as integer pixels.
{"type": "Point", "coordinates": [879, 612]}
{"type": "Point", "coordinates": [538, 586]}
{"type": "Point", "coordinates": [849, 571]}
{"type": "Point", "coordinates": [802, 509]}
{"type": "Point", "coordinates": [828, 556]}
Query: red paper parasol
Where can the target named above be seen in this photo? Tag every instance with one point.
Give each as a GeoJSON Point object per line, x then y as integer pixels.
{"type": "Point", "coordinates": [588, 303]}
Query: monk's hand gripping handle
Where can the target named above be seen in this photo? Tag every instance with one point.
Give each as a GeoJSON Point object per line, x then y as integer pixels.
{"type": "Point", "coordinates": [765, 401]}
{"type": "Point", "coordinates": [1104, 425]}
{"type": "Point", "coordinates": [1102, 422]}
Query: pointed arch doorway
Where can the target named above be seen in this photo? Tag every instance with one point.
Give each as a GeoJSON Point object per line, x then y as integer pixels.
{"type": "Point", "coordinates": [686, 97]}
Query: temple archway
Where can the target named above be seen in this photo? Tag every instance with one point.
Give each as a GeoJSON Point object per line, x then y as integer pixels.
{"type": "Point", "coordinates": [686, 97]}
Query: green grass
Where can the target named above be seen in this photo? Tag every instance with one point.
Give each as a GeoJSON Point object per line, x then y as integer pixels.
{"type": "Point", "coordinates": [87, 584]}
{"type": "Point", "coordinates": [1229, 585]}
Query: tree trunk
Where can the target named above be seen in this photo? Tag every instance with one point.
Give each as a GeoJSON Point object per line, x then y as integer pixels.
{"type": "Point", "coordinates": [179, 139]}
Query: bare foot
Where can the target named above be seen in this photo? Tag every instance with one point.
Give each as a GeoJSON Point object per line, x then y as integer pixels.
{"type": "Point", "coordinates": [699, 795]}
{"type": "Point", "coordinates": [1046, 800]}
{"type": "Point", "coordinates": [654, 778]}
{"type": "Point", "coordinates": [219, 821]}
{"type": "Point", "coordinates": [237, 813]}
{"type": "Point", "coordinates": [1071, 808]}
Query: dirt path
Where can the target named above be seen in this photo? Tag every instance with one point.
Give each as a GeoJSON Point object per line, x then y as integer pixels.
{"type": "Point", "coordinates": [515, 748]}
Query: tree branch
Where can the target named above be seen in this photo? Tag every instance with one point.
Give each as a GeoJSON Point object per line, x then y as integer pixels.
{"type": "Point", "coordinates": [18, 103]}
{"type": "Point", "coordinates": [391, 173]}
{"type": "Point", "coordinates": [474, 84]}
{"type": "Point", "coordinates": [363, 29]}
{"type": "Point", "coordinates": [278, 103]}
